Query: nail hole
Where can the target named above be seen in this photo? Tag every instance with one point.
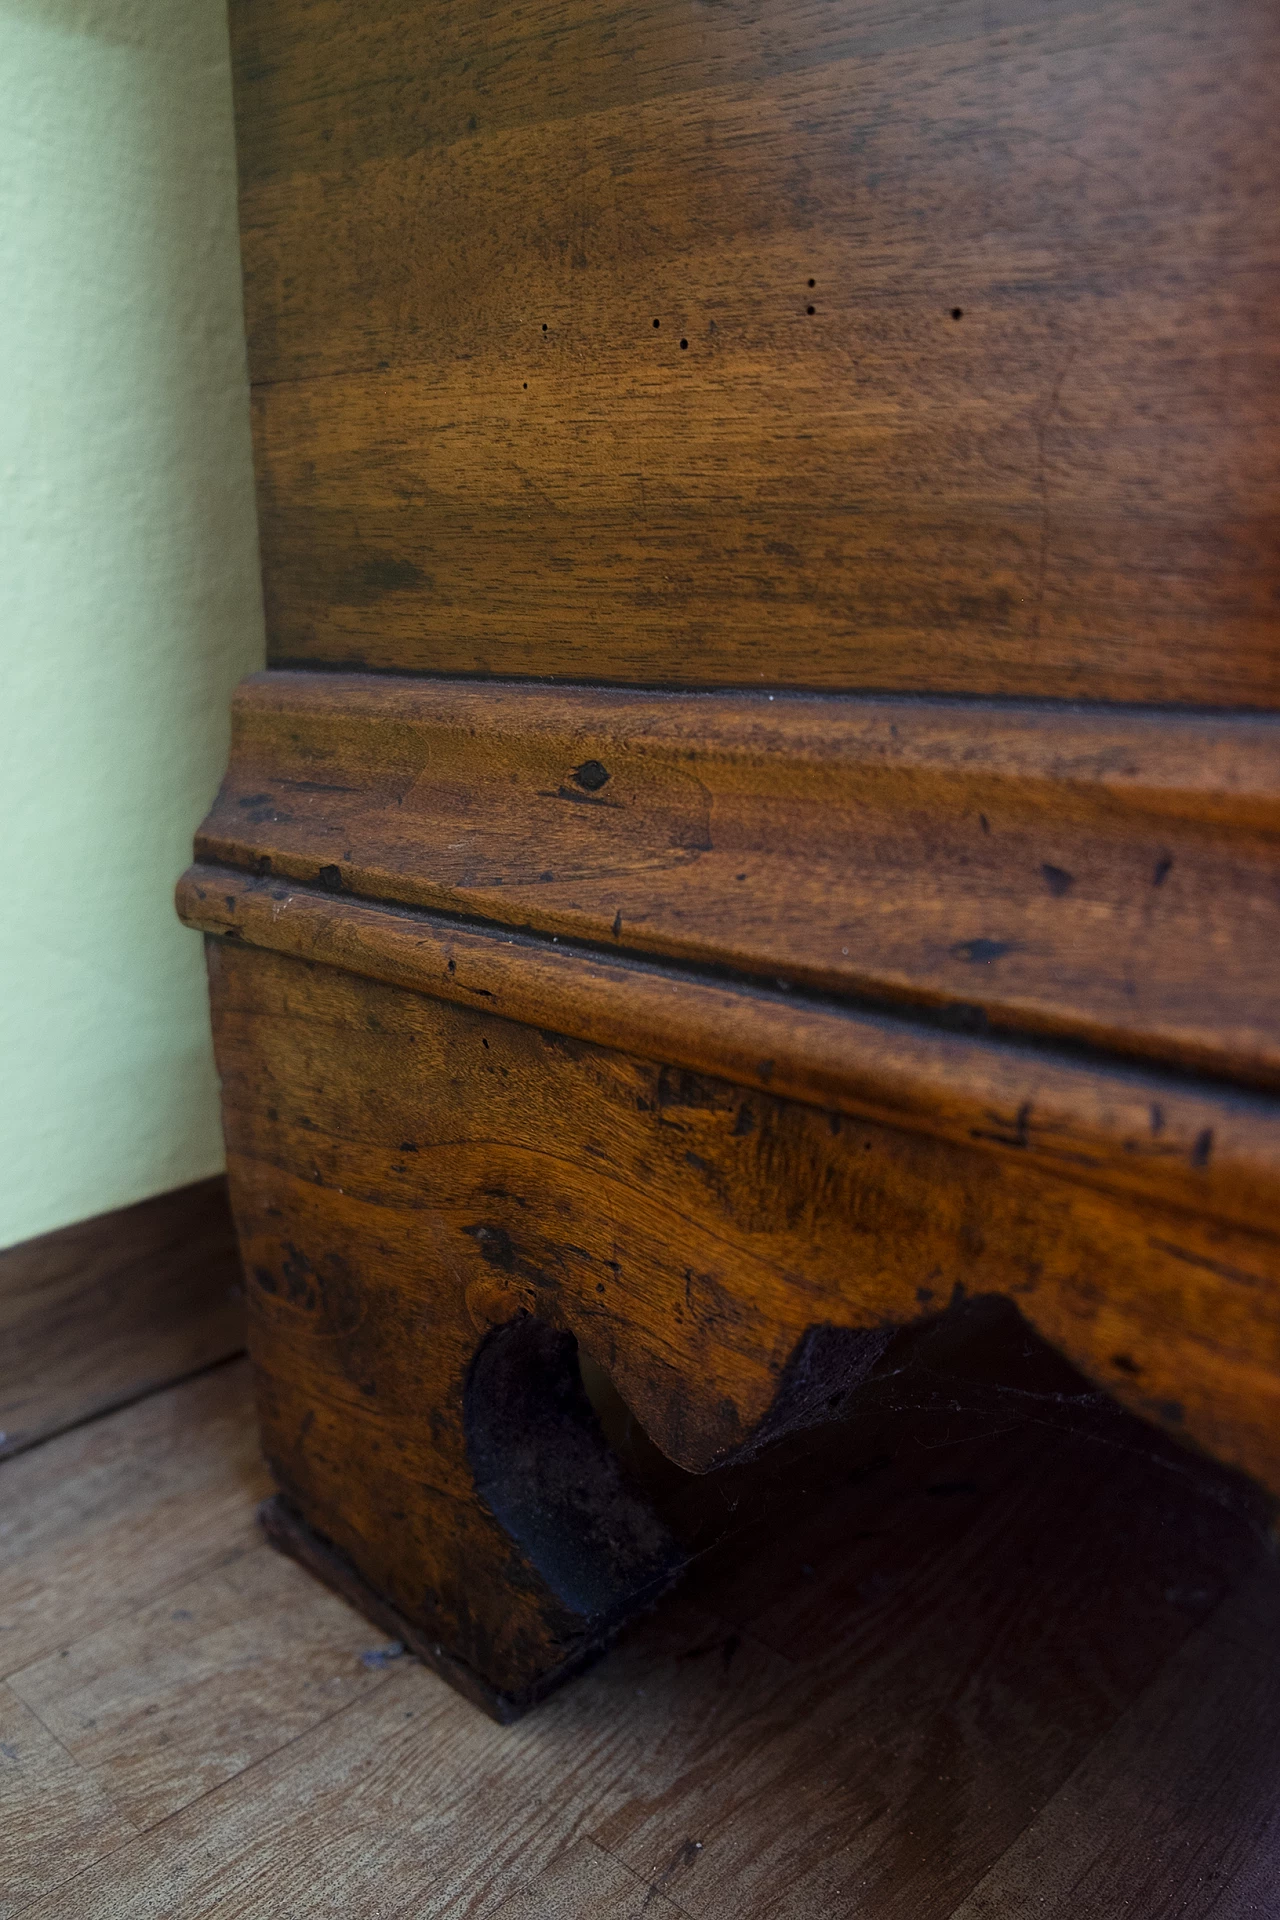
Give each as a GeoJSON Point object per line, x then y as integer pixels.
{"type": "Point", "coordinates": [684, 343]}
{"type": "Point", "coordinates": [544, 326]}
{"type": "Point", "coordinates": [525, 384]}
{"type": "Point", "coordinates": [657, 323]}
{"type": "Point", "coordinates": [590, 775]}
{"type": "Point", "coordinates": [957, 313]}
{"type": "Point", "coordinates": [811, 309]}
{"type": "Point", "coordinates": [813, 283]}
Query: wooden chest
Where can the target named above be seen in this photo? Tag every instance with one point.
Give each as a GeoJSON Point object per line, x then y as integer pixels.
{"type": "Point", "coordinates": [761, 828]}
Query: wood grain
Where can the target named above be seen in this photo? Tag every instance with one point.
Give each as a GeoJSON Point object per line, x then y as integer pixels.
{"type": "Point", "coordinates": [409, 1801]}
{"type": "Point", "coordinates": [917, 363]}
{"type": "Point", "coordinates": [587, 1884]}
{"type": "Point", "coordinates": [1098, 876]}
{"type": "Point", "coordinates": [1167, 1766]}
{"type": "Point", "coordinates": [1212, 1150]}
{"type": "Point", "coordinates": [855, 1796]}
{"type": "Point", "coordinates": [144, 1706]}
{"type": "Point", "coordinates": [408, 1174]}
{"type": "Point", "coordinates": [162, 1490]}
{"type": "Point", "coordinates": [114, 1307]}
{"type": "Point", "coordinates": [54, 1819]}
{"type": "Point", "coordinates": [864, 1703]}
{"type": "Point", "coordinates": [965, 373]}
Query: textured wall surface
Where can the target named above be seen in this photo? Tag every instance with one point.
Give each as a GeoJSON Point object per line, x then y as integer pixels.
{"type": "Point", "coordinates": [130, 598]}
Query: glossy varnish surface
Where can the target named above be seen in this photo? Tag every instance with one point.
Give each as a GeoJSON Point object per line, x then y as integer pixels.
{"type": "Point", "coordinates": [409, 1173]}
{"type": "Point", "coordinates": [910, 370]}
{"type": "Point", "coordinates": [1101, 876]}
{"type": "Point", "coordinates": [1191, 1143]}
{"type": "Point", "coordinates": [925, 347]}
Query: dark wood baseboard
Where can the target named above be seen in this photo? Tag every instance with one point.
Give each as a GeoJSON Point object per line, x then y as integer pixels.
{"type": "Point", "coordinates": [96, 1314]}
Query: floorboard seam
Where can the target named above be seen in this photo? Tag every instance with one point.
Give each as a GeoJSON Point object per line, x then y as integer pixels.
{"type": "Point", "coordinates": [78, 1765]}
{"type": "Point", "coordinates": [652, 1889]}
{"type": "Point", "coordinates": [347, 1706]}
{"type": "Point", "coordinates": [226, 1558]}
{"type": "Point", "coordinates": [1131, 1706]}
{"type": "Point", "coordinates": [135, 1831]}
{"type": "Point", "coordinates": [152, 1832]}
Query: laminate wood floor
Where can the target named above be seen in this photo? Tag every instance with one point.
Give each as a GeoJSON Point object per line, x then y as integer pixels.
{"type": "Point", "coordinates": [1021, 1662]}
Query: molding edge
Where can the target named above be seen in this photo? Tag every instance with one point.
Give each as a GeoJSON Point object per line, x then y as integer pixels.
{"type": "Point", "coordinates": [1147, 1134]}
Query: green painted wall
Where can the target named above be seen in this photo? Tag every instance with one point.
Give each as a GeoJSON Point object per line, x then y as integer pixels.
{"type": "Point", "coordinates": [129, 597]}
